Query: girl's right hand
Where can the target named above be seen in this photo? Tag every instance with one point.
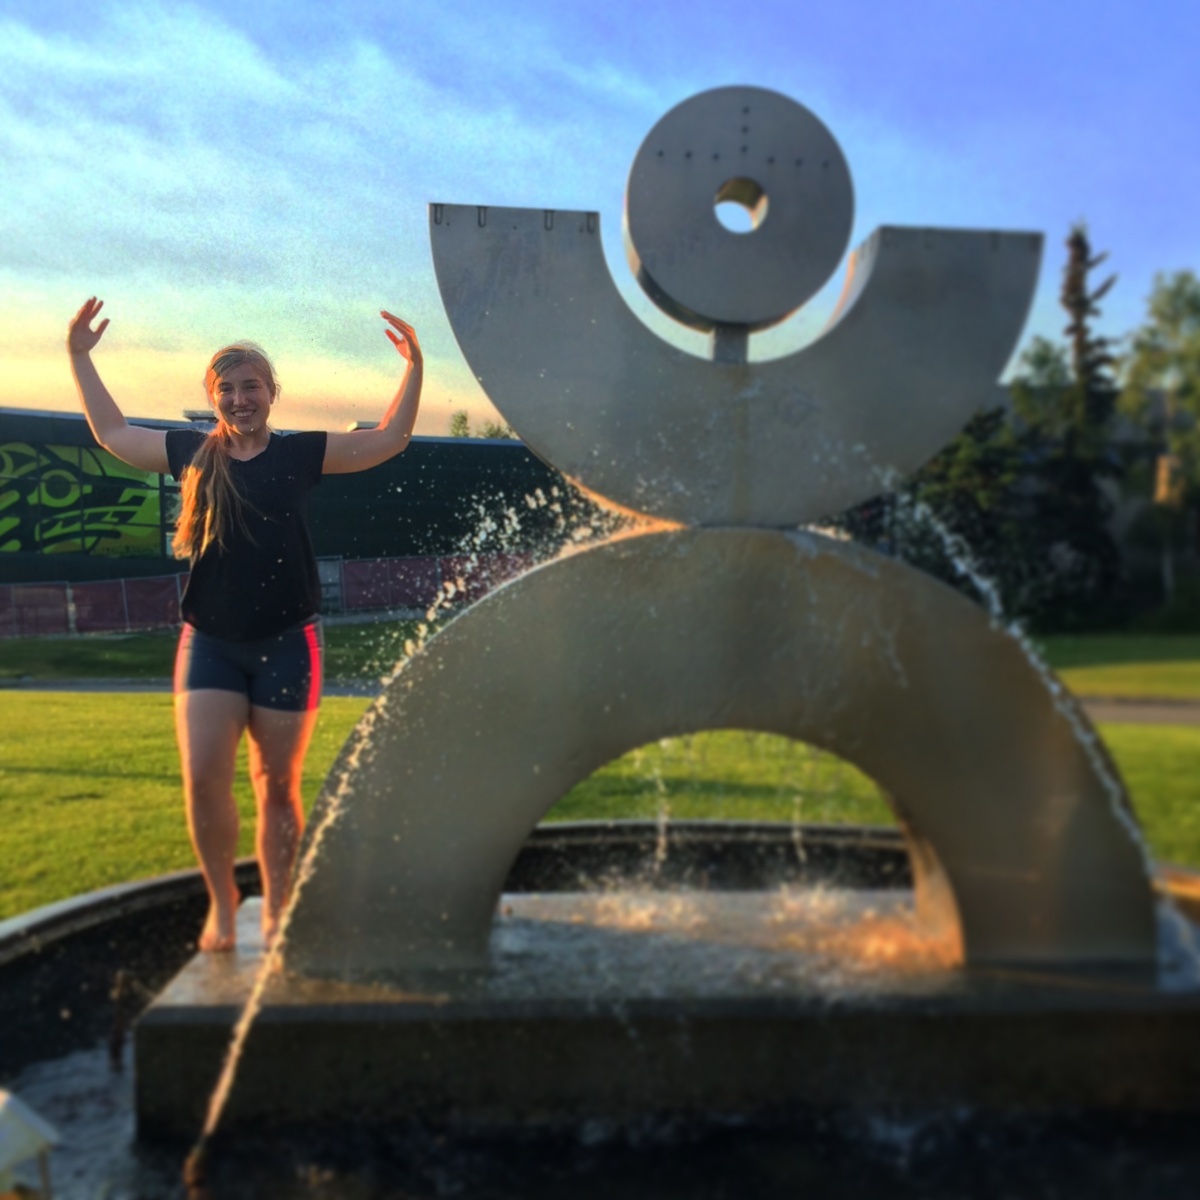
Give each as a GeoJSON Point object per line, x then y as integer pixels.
{"type": "Point", "coordinates": [81, 337]}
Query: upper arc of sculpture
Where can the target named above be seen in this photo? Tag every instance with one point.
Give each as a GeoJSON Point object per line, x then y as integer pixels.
{"type": "Point", "coordinates": [927, 322]}
{"type": "Point", "coordinates": [576, 662]}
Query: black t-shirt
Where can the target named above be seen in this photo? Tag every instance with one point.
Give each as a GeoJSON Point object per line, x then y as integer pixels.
{"type": "Point", "coordinates": [262, 584]}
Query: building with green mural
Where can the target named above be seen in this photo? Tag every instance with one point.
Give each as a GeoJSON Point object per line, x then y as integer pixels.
{"type": "Point", "coordinates": [61, 496]}
{"type": "Point", "coordinates": [71, 511]}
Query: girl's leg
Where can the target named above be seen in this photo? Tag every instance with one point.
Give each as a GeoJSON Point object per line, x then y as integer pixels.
{"type": "Point", "coordinates": [278, 743]}
{"type": "Point", "coordinates": [208, 725]}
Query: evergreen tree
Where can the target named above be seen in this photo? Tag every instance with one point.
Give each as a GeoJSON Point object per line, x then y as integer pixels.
{"type": "Point", "coordinates": [460, 426]}
{"type": "Point", "coordinates": [1064, 401]}
{"type": "Point", "coordinates": [1092, 395]}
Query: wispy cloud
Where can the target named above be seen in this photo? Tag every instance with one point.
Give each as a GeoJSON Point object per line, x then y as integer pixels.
{"type": "Point", "coordinates": [222, 170]}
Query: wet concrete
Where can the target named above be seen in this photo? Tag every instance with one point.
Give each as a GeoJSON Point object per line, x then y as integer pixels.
{"type": "Point", "coordinates": [639, 1004]}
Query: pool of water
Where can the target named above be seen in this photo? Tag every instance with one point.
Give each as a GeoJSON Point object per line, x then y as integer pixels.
{"type": "Point", "coordinates": [957, 1155]}
{"type": "Point", "coordinates": [81, 1082]}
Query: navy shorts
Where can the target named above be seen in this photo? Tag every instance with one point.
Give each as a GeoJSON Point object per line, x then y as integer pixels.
{"type": "Point", "coordinates": [282, 671]}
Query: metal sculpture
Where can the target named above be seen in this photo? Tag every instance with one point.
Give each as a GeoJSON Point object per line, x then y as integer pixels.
{"type": "Point", "coordinates": [1019, 833]}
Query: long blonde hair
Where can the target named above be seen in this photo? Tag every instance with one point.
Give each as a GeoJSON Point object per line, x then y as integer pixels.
{"type": "Point", "coordinates": [210, 504]}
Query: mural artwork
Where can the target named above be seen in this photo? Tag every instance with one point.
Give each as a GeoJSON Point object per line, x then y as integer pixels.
{"type": "Point", "coordinates": [77, 500]}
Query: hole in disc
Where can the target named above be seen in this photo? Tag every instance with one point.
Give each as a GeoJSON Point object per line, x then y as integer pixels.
{"type": "Point", "coordinates": [740, 205]}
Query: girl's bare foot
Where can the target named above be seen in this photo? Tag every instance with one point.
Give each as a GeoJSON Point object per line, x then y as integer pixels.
{"type": "Point", "coordinates": [220, 927]}
{"type": "Point", "coordinates": [270, 928]}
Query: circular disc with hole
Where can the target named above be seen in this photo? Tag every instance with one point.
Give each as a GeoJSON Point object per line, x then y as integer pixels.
{"type": "Point", "coordinates": [754, 148]}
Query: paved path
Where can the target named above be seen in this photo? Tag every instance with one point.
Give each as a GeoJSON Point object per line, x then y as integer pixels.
{"type": "Point", "coordinates": [1144, 712]}
{"type": "Point", "coordinates": [1102, 711]}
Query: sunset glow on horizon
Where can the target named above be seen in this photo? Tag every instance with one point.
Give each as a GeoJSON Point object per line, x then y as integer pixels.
{"type": "Point", "coordinates": [217, 172]}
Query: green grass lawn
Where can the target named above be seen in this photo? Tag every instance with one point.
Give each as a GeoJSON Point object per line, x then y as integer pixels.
{"type": "Point", "coordinates": [358, 651]}
{"type": "Point", "coordinates": [1108, 665]}
{"type": "Point", "coordinates": [89, 783]}
{"type": "Point", "coordinates": [1161, 768]}
{"type": "Point", "coordinates": [89, 787]}
{"type": "Point", "coordinates": [90, 792]}
{"type": "Point", "coordinates": [1125, 666]}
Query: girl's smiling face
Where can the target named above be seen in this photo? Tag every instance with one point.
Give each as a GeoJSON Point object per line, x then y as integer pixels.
{"type": "Point", "coordinates": [242, 398]}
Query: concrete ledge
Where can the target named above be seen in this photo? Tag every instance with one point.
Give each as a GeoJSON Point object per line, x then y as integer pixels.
{"type": "Point", "coordinates": [753, 1005]}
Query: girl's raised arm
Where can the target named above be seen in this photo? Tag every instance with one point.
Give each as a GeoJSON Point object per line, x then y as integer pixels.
{"type": "Point", "coordinates": [363, 448]}
{"type": "Point", "coordinates": [140, 447]}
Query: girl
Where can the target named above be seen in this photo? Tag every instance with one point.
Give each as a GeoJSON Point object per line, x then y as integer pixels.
{"type": "Point", "coordinates": [250, 653]}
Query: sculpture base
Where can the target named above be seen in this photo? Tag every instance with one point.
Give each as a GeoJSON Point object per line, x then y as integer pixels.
{"type": "Point", "coordinates": [630, 1004]}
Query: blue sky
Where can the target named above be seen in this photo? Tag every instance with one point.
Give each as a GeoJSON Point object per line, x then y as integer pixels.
{"type": "Point", "coordinates": [222, 170]}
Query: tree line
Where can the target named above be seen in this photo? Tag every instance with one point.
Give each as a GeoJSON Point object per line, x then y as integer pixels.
{"type": "Point", "coordinates": [460, 427]}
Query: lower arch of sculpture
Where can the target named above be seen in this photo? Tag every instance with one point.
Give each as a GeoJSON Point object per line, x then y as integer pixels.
{"type": "Point", "coordinates": [1015, 828]}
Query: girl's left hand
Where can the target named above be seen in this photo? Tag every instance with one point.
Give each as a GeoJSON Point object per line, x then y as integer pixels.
{"type": "Point", "coordinates": [81, 337]}
{"type": "Point", "coordinates": [404, 338]}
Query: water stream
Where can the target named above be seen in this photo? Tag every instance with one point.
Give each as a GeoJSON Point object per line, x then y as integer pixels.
{"type": "Point", "coordinates": [194, 1167]}
{"type": "Point", "coordinates": [576, 525]}
{"type": "Point", "coordinates": [1178, 948]}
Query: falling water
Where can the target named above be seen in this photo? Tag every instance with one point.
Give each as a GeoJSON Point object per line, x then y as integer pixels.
{"type": "Point", "coordinates": [964, 561]}
{"type": "Point", "coordinates": [1177, 928]}
{"type": "Point", "coordinates": [662, 818]}
{"type": "Point", "coordinates": [797, 826]}
{"type": "Point", "coordinates": [194, 1167]}
{"type": "Point", "coordinates": [360, 745]}
{"type": "Point", "coordinates": [576, 524]}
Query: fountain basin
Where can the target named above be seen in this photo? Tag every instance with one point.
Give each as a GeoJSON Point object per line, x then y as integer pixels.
{"type": "Point", "coordinates": [78, 971]}
{"type": "Point", "coordinates": [789, 985]}
{"type": "Point", "coordinates": [58, 967]}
